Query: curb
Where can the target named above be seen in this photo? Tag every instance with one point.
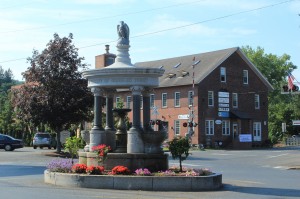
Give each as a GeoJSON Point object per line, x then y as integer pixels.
{"type": "Point", "coordinates": [145, 183]}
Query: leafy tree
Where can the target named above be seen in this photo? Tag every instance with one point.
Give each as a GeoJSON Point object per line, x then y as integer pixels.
{"type": "Point", "coordinates": [55, 92]}
{"type": "Point", "coordinates": [179, 148]}
{"type": "Point", "coordinates": [275, 69]}
{"type": "Point", "coordinates": [72, 145]}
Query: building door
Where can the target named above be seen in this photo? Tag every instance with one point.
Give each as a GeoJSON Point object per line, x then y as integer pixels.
{"type": "Point", "coordinates": [235, 130]}
{"type": "Point", "coordinates": [256, 131]}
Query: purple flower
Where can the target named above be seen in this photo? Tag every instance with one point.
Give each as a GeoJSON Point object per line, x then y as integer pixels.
{"type": "Point", "coordinates": [60, 165]}
{"type": "Point", "coordinates": [143, 172]}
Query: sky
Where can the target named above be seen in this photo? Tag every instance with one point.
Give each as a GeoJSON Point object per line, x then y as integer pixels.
{"type": "Point", "coordinates": [158, 29]}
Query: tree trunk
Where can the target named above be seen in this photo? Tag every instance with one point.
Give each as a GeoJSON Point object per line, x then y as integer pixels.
{"type": "Point", "coordinates": [180, 164]}
{"type": "Point", "coordinates": [58, 144]}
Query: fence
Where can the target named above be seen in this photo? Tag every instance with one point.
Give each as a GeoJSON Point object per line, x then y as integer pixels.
{"type": "Point", "coordinates": [293, 141]}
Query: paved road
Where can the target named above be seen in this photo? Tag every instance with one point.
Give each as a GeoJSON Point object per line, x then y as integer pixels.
{"type": "Point", "coordinates": [246, 175]}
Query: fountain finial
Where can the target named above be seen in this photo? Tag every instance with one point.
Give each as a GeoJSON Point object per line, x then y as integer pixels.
{"type": "Point", "coordinates": [123, 32]}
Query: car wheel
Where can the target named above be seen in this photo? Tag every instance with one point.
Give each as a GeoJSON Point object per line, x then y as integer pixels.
{"type": "Point", "coordinates": [34, 147]}
{"type": "Point", "coordinates": [41, 147]}
{"type": "Point", "coordinates": [8, 148]}
{"type": "Point", "coordinates": [49, 147]}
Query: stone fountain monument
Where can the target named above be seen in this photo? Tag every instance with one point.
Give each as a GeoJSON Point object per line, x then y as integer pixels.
{"type": "Point", "coordinates": [143, 143]}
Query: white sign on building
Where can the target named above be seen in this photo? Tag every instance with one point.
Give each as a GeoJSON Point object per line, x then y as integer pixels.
{"type": "Point", "coordinates": [183, 117]}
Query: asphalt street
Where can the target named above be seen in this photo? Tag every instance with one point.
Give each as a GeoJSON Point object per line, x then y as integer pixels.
{"type": "Point", "coordinates": [266, 174]}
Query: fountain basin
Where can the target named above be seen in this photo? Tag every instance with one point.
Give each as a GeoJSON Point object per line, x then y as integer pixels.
{"type": "Point", "coordinates": [145, 183]}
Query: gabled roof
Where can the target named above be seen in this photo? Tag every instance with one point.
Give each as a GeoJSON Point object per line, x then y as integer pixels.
{"type": "Point", "coordinates": [179, 70]}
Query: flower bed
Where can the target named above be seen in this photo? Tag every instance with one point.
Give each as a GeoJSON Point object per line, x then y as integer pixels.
{"type": "Point", "coordinates": [79, 175]}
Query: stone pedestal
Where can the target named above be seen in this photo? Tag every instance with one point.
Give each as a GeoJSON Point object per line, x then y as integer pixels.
{"type": "Point", "coordinates": [135, 142]}
{"type": "Point", "coordinates": [97, 137]}
{"type": "Point", "coordinates": [153, 162]}
{"type": "Point", "coordinates": [85, 135]}
{"type": "Point", "coordinates": [153, 141]}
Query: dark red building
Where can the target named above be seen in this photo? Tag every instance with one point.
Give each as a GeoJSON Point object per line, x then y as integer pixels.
{"type": "Point", "coordinates": [221, 93]}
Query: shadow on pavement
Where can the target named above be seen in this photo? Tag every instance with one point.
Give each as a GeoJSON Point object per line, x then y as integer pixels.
{"type": "Point", "coordinates": [20, 170]}
{"type": "Point", "coordinates": [281, 192]}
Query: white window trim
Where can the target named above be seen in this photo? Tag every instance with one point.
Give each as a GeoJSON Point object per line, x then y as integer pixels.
{"type": "Point", "coordinates": [257, 101]}
{"type": "Point", "coordinates": [191, 98]}
{"type": "Point", "coordinates": [118, 99]}
{"type": "Point", "coordinates": [245, 72]}
{"type": "Point", "coordinates": [128, 102]}
{"type": "Point", "coordinates": [235, 98]}
{"type": "Point", "coordinates": [177, 127]}
{"type": "Point", "coordinates": [176, 101]}
{"type": "Point", "coordinates": [162, 100]}
{"type": "Point", "coordinates": [226, 123]}
{"type": "Point", "coordinates": [210, 128]}
{"type": "Point", "coordinates": [224, 70]}
{"type": "Point", "coordinates": [212, 98]}
{"type": "Point", "coordinates": [152, 100]}
{"type": "Point", "coordinates": [257, 128]}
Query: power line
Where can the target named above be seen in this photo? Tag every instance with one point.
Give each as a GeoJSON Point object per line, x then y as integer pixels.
{"type": "Point", "coordinates": [192, 24]}
{"type": "Point", "coordinates": [177, 27]}
{"type": "Point", "coordinates": [101, 18]}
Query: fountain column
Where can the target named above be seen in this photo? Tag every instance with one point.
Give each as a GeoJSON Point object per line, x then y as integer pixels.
{"type": "Point", "coordinates": [97, 134]}
{"type": "Point", "coordinates": [109, 111]}
{"type": "Point", "coordinates": [135, 143]}
{"type": "Point", "coordinates": [146, 110]}
{"type": "Point", "coordinates": [109, 128]}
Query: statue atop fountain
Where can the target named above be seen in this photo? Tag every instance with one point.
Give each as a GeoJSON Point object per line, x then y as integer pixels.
{"type": "Point", "coordinates": [123, 32]}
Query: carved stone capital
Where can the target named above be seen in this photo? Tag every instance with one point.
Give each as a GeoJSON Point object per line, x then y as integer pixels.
{"type": "Point", "coordinates": [147, 91]}
{"type": "Point", "coordinates": [97, 91]}
{"type": "Point", "coordinates": [136, 90]}
{"type": "Point", "coordinates": [109, 92]}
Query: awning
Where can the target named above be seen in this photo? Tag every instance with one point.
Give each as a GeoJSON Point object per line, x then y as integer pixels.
{"type": "Point", "coordinates": [240, 115]}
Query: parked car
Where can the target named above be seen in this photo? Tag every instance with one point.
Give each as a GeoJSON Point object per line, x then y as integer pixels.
{"type": "Point", "coordinates": [43, 140]}
{"type": "Point", "coordinates": [9, 143]}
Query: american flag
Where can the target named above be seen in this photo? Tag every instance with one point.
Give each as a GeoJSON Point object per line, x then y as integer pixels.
{"type": "Point", "coordinates": [291, 79]}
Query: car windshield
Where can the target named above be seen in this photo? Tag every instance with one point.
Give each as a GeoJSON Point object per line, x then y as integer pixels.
{"type": "Point", "coordinates": [43, 135]}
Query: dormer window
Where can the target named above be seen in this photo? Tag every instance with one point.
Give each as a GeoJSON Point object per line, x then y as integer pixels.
{"type": "Point", "coordinates": [223, 74]}
{"type": "Point", "coordinates": [177, 65]}
{"type": "Point", "coordinates": [245, 76]}
{"type": "Point", "coordinates": [171, 75]}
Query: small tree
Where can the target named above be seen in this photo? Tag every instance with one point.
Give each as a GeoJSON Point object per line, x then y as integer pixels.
{"type": "Point", "coordinates": [72, 145]}
{"type": "Point", "coordinates": [179, 148]}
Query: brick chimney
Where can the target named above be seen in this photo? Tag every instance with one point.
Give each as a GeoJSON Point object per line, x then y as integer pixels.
{"type": "Point", "coordinates": [104, 59]}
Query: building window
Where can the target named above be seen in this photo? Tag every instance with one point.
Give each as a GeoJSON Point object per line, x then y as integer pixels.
{"type": "Point", "coordinates": [210, 98]}
{"type": "Point", "coordinates": [245, 76]}
{"type": "Point", "coordinates": [141, 101]}
{"type": "Point", "coordinates": [164, 100]}
{"type": "Point", "coordinates": [118, 102]}
{"type": "Point", "coordinates": [225, 127]}
{"type": "Point", "coordinates": [177, 127]}
{"type": "Point", "coordinates": [256, 101]}
{"type": "Point", "coordinates": [257, 131]}
{"type": "Point", "coordinates": [223, 74]}
{"type": "Point", "coordinates": [177, 99]}
{"type": "Point", "coordinates": [191, 98]}
{"type": "Point", "coordinates": [152, 99]}
{"type": "Point", "coordinates": [209, 127]}
{"type": "Point", "coordinates": [235, 100]}
{"type": "Point", "coordinates": [128, 102]}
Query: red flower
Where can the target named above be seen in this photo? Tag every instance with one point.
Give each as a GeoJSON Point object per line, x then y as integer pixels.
{"type": "Point", "coordinates": [101, 151]}
{"type": "Point", "coordinates": [94, 170]}
{"type": "Point", "coordinates": [120, 170]}
{"type": "Point", "coordinates": [79, 168]}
